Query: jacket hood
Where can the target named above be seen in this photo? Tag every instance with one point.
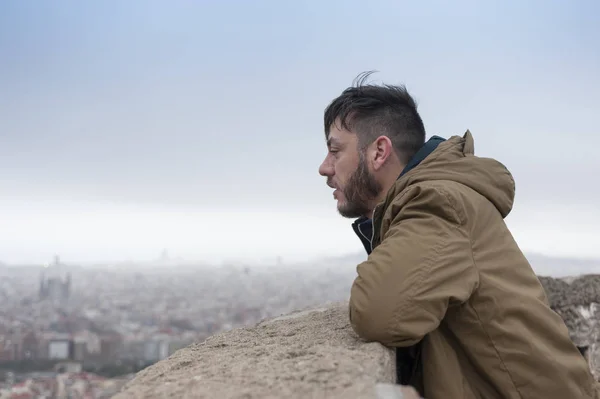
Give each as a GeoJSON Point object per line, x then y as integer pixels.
{"type": "Point", "coordinates": [455, 160]}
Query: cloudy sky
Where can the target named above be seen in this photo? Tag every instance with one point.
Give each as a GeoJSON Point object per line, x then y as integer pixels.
{"type": "Point", "coordinates": [127, 127]}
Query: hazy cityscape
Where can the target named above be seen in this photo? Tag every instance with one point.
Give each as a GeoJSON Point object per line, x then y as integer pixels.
{"type": "Point", "coordinates": [73, 331]}
{"type": "Point", "coordinates": [81, 332]}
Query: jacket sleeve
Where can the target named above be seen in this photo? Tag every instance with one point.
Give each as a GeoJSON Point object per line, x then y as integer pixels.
{"type": "Point", "coordinates": [422, 266]}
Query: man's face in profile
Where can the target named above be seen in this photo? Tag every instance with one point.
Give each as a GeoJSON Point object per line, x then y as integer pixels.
{"type": "Point", "coordinates": [347, 171]}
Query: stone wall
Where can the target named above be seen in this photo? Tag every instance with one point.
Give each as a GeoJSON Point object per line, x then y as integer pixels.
{"type": "Point", "coordinates": [308, 354]}
{"type": "Point", "coordinates": [576, 300]}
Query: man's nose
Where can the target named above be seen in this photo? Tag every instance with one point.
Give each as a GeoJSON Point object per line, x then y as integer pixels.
{"type": "Point", "coordinates": [326, 169]}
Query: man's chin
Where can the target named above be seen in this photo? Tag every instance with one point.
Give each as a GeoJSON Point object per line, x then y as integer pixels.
{"type": "Point", "coordinates": [347, 212]}
{"type": "Point", "coordinates": [342, 209]}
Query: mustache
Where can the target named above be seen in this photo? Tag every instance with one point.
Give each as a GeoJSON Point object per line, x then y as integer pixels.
{"type": "Point", "coordinates": [330, 183]}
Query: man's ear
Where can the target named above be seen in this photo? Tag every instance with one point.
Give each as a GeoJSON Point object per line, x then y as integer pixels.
{"type": "Point", "coordinates": [381, 151]}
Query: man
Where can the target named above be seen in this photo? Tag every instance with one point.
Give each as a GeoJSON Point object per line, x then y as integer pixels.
{"type": "Point", "coordinates": [444, 281]}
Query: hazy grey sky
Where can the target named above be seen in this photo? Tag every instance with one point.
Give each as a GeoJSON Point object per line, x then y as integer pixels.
{"type": "Point", "coordinates": [131, 126]}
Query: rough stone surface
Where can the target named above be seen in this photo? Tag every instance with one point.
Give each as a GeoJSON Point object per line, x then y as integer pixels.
{"type": "Point", "coordinates": [577, 301]}
{"type": "Point", "coordinates": [572, 291]}
{"type": "Point", "coordinates": [308, 354]}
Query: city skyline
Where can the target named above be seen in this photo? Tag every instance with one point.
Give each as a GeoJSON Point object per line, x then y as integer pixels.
{"type": "Point", "coordinates": [166, 263]}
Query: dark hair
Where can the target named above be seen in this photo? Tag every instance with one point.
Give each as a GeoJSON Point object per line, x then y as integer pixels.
{"type": "Point", "coordinates": [371, 111]}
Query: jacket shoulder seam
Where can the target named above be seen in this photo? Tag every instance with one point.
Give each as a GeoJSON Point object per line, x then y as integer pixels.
{"type": "Point", "coordinates": [438, 188]}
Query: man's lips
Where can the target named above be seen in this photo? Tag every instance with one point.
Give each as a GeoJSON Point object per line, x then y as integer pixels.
{"type": "Point", "coordinates": [335, 189]}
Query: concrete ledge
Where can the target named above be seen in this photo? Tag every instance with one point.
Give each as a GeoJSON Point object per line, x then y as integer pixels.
{"type": "Point", "coordinates": [308, 354]}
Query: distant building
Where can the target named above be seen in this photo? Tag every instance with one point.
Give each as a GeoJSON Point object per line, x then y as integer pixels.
{"type": "Point", "coordinates": [54, 284]}
{"type": "Point", "coordinates": [156, 349]}
{"type": "Point", "coordinates": [61, 347]}
{"type": "Point", "coordinates": [29, 347]}
{"type": "Point", "coordinates": [7, 349]}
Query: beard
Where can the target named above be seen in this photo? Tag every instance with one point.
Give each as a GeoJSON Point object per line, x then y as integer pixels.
{"type": "Point", "coordinates": [359, 192]}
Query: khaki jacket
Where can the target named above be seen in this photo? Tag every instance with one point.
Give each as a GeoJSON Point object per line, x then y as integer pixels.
{"type": "Point", "coordinates": [446, 272]}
